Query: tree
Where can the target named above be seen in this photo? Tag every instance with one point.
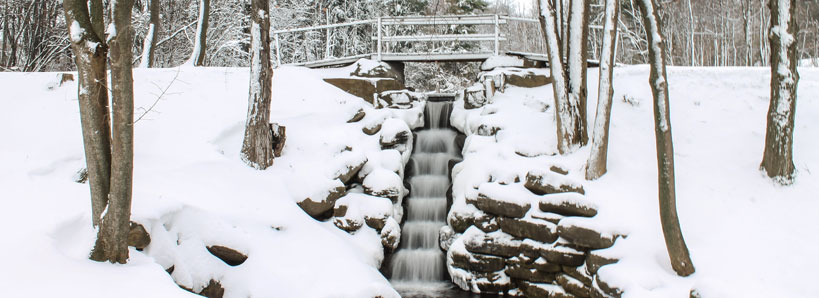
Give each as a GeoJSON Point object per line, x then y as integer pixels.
{"type": "Point", "coordinates": [600, 138]}
{"type": "Point", "coordinates": [577, 45]}
{"type": "Point", "coordinates": [149, 45]}
{"type": "Point", "coordinates": [259, 140]}
{"type": "Point", "coordinates": [658, 79]}
{"type": "Point", "coordinates": [109, 161]}
{"type": "Point", "coordinates": [200, 41]}
{"type": "Point", "coordinates": [568, 113]}
{"type": "Point", "coordinates": [777, 160]}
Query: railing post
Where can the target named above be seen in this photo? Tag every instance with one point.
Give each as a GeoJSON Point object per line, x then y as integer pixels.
{"type": "Point", "coordinates": [497, 35]}
{"type": "Point", "coordinates": [278, 50]}
{"type": "Point", "coordinates": [378, 27]}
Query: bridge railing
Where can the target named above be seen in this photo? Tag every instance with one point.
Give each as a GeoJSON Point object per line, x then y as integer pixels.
{"type": "Point", "coordinates": [408, 38]}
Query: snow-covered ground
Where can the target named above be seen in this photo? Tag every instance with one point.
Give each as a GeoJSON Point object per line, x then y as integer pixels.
{"type": "Point", "coordinates": [747, 236]}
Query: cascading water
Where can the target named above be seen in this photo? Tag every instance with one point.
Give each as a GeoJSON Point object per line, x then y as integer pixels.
{"type": "Point", "coordinates": [419, 262]}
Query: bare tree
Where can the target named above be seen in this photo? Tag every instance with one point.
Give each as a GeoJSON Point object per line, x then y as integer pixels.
{"type": "Point", "coordinates": [149, 45]}
{"type": "Point", "coordinates": [259, 140]}
{"type": "Point", "coordinates": [109, 162]}
{"type": "Point", "coordinates": [577, 45]}
{"type": "Point", "coordinates": [200, 41]}
{"type": "Point", "coordinates": [658, 79]}
{"type": "Point", "coordinates": [567, 108]}
{"type": "Point", "coordinates": [600, 138]}
{"type": "Point", "coordinates": [777, 160]}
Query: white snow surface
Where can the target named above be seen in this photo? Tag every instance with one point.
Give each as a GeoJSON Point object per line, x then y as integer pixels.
{"type": "Point", "coordinates": [191, 190]}
{"type": "Point", "coordinates": [748, 237]}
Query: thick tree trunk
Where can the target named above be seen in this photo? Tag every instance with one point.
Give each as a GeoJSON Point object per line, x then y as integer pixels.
{"type": "Point", "coordinates": [257, 147]}
{"type": "Point", "coordinates": [149, 44]}
{"type": "Point", "coordinates": [777, 160]}
{"type": "Point", "coordinates": [200, 41]}
{"type": "Point", "coordinates": [91, 56]}
{"type": "Point", "coordinates": [578, 45]}
{"type": "Point", "coordinates": [112, 237]}
{"type": "Point", "coordinates": [97, 14]}
{"type": "Point", "coordinates": [677, 250]}
{"type": "Point", "coordinates": [600, 139]}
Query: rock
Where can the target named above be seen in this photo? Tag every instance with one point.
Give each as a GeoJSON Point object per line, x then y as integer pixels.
{"type": "Point", "coordinates": [366, 68]}
{"type": "Point", "coordinates": [460, 221]}
{"type": "Point", "coordinates": [279, 138]}
{"type": "Point", "coordinates": [559, 169]}
{"type": "Point", "coordinates": [496, 244]}
{"type": "Point", "coordinates": [562, 254]}
{"type": "Point", "coordinates": [390, 235]}
{"type": "Point", "coordinates": [460, 140]}
{"type": "Point", "coordinates": [585, 236]}
{"type": "Point", "coordinates": [543, 265]}
{"type": "Point", "coordinates": [365, 88]}
{"type": "Point", "coordinates": [477, 262]}
{"type": "Point", "coordinates": [390, 142]}
{"type": "Point", "coordinates": [228, 255]}
{"type": "Point", "coordinates": [474, 97]}
{"type": "Point", "coordinates": [495, 282]}
{"type": "Point", "coordinates": [371, 129]}
{"type": "Point", "coordinates": [485, 222]}
{"type": "Point", "coordinates": [537, 290]}
{"type": "Point", "coordinates": [539, 230]}
{"type": "Point", "coordinates": [487, 130]}
{"type": "Point", "coordinates": [573, 286]}
{"type": "Point", "coordinates": [384, 183]}
{"type": "Point", "coordinates": [568, 204]}
{"type": "Point", "coordinates": [548, 182]}
{"type": "Point", "coordinates": [349, 225]}
{"type": "Point", "coordinates": [446, 236]}
{"type": "Point", "coordinates": [548, 216]}
{"type": "Point", "coordinates": [595, 260]}
{"type": "Point", "coordinates": [349, 170]}
{"type": "Point", "coordinates": [138, 237]}
{"type": "Point", "coordinates": [492, 199]}
{"type": "Point", "coordinates": [399, 99]}
{"type": "Point", "coordinates": [527, 273]}
{"type": "Point", "coordinates": [81, 176]}
{"type": "Point", "coordinates": [606, 288]}
{"type": "Point", "coordinates": [213, 290]}
{"type": "Point", "coordinates": [526, 79]}
{"type": "Point", "coordinates": [319, 204]}
{"type": "Point", "coordinates": [358, 116]}
{"type": "Point", "coordinates": [579, 273]}
{"type": "Point", "coordinates": [65, 77]}
{"type": "Point", "coordinates": [375, 222]}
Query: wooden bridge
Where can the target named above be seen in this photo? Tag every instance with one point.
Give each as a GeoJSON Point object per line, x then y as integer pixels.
{"type": "Point", "coordinates": [440, 38]}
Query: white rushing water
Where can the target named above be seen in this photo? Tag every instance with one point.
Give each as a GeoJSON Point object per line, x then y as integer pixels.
{"type": "Point", "coordinates": [419, 260]}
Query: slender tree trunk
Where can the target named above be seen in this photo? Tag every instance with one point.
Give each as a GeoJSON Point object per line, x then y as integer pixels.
{"type": "Point", "coordinates": [112, 237]}
{"type": "Point", "coordinates": [677, 250]}
{"type": "Point", "coordinates": [578, 34]}
{"type": "Point", "coordinates": [200, 43]}
{"type": "Point", "coordinates": [777, 160]}
{"type": "Point", "coordinates": [749, 52]}
{"type": "Point", "coordinates": [691, 32]}
{"type": "Point", "coordinates": [567, 112]}
{"type": "Point", "coordinates": [150, 38]}
{"type": "Point", "coordinates": [91, 56]}
{"type": "Point", "coordinates": [257, 147]}
{"type": "Point", "coordinates": [600, 139]}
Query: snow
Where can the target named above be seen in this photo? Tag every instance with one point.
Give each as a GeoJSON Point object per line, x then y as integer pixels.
{"type": "Point", "coordinates": [748, 237]}
{"type": "Point", "coordinates": [76, 32]}
{"type": "Point", "coordinates": [501, 61]}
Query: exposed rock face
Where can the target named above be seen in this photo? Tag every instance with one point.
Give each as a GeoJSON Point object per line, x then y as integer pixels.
{"type": "Point", "coordinates": [460, 221]}
{"type": "Point", "coordinates": [584, 236]}
{"type": "Point", "coordinates": [540, 230]}
{"type": "Point", "coordinates": [381, 70]}
{"type": "Point", "coordinates": [365, 88]}
{"type": "Point", "coordinates": [228, 255]}
{"type": "Point", "coordinates": [596, 260]}
{"type": "Point", "coordinates": [138, 237]}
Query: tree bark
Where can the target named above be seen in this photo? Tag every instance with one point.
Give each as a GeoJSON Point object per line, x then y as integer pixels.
{"type": "Point", "coordinates": [149, 44]}
{"type": "Point", "coordinates": [257, 147]}
{"type": "Point", "coordinates": [91, 56]}
{"type": "Point", "coordinates": [777, 160]}
{"type": "Point", "coordinates": [200, 43]}
{"type": "Point", "coordinates": [112, 244]}
{"type": "Point", "coordinates": [600, 139]}
{"type": "Point", "coordinates": [578, 33]}
{"type": "Point", "coordinates": [677, 250]}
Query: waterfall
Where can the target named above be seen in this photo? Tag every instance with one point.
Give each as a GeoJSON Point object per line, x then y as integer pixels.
{"type": "Point", "coordinates": [419, 260]}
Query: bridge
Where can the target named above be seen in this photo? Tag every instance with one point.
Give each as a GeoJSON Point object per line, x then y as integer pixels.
{"type": "Point", "coordinates": [410, 39]}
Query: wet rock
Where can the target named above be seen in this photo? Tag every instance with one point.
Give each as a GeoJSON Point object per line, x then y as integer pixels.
{"type": "Point", "coordinates": [584, 236]}
{"type": "Point", "coordinates": [477, 262]}
{"type": "Point", "coordinates": [228, 255]}
{"type": "Point", "coordinates": [562, 254]}
{"type": "Point", "coordinates": [496, 243]}
{"type": "Point", "coordinates": [320, 204]}
{"type": "Point", "coordinates": [539, 230]}
{"type": "Point", "coordinates": [548, 182]}
{"type": "Point", "coordinates": [573, 286]}
{"type": "Point", "coordinates": [595, 260]}
{"type": "Point", "coordinates": [568, 204]}
{"type": "Point", "coordinates": [138, 237]}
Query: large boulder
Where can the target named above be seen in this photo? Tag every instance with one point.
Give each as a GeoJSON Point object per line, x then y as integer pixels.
{"type": "Point", "coordinates": [395, 134]}
{"type": "Point", "coordinates": [547, 182]}
{"type": "Point", "coordinates": [579, 234]}
{"type": "Point", "coordinates": [492, 282]}
{"type": "Point", "coordinates": [501, 200]}
{"type": "Point", "coordinates": [355, 210]}
{"type": "Point", "coordinates": [495, 243]}
{"type": "Point", "coordinates": [384, 183]}
{"type": "Point", "coordinates": [321, 202]}
{"type": "Point", "coordinates": [474, 97]}
{"type": "Point", "coordinates": [390, 235]}
{"type": "Point", "coordinates": [606, 289]}
{"type": "Point", "coordinates": [540, 230]}
{"type": "Point", "coordinates": [567, 204]}
{"type": "Point", "coordinates": [138, 237]}
{"type": "Point", "coordinates": [476, 262]}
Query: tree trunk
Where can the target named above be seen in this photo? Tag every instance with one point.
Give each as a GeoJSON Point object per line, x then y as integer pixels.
{"type": "Point", "coordinates": [578, 45]}
{"type": "Point", "coordinates": [200, 43]}
{"type": "Point", "coordinates": [150, 38]}
{"type": "Point", "coordinates": [91, 56]}
{"type": "Point", "coordinates": [677, 250]}
{"type": "Point", "coordinates": [257, 147]}
{"type": "Point", "coordinates": [97, 14]}
{"type": "Point", "coordinates": [567, 111]}
{"type": "Point", "coordinates": [600, 139]}
{"type": "Point", "coordinates": [112, 237]}
{"type": "Point", "coordinates": [777, 160]}
{"type": "Point", "coordinates": [691, 33]}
